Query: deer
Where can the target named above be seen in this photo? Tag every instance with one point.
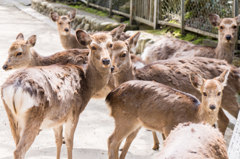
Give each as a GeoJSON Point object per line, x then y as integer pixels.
{"type": "Point", "coordinates": [68, 40]}
{"type": "Point", "coordinates": [201, 141]}
{"type": "Point", "coordinates": [41, 97]}
{"type": "Point", "coordinates": [135, 104]}
{"type": "Point", "coordinates": [167, 47]}
{"type": "Point", "coordinates": [21, 54]}
{"type": "Point", "coordinates": [174, 73]}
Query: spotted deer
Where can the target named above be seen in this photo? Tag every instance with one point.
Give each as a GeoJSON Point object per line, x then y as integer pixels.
{"type": "Point", "coordinates": [22, 54]}
{"type": "Point", "coordinates": [174, 73]}
{"type": "Point", "coordinates": [201, 141]}
{"type": "Point", "coordinates": [42, 97]}
{"type": "Point", "coordinates": [167, 47]}
{"type": "Point", "coordinates": [135, 104]}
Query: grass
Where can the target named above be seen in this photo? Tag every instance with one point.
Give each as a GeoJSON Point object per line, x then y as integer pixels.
{"type": "Point", "coordinates": [90, 10]}
{"type": "Point", "coordinates": [175, 32]}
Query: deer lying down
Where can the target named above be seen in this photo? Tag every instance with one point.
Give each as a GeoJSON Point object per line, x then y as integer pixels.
{"type": "Point", "coordinates": [21, 54]}
{"type": "Point", "coordinates": [160, 108]}
{"type": "Point", "coordinates": [192, 141]}
{"type": "Point", "coordinates": [167, 47]}
{"type": "Point", "coordinates": [52, 96]}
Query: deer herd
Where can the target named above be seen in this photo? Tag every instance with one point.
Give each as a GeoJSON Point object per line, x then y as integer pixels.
{"type": "Point", "coordinates": [180, 91]}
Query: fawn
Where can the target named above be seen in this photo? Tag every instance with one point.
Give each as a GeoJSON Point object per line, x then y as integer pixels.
{"type": "Point", "coordinates": [21, 54]}
{"type": "Point", "coordinates": [49, 96]}
{"type": "Point", "coordinates": [159, 107]}
{"type": "Point", "coordinates": [201, 141]}
{"type": "Point", "coordinates": [68, 40]}
{"type": "Point", "coordinates": [167, 47]}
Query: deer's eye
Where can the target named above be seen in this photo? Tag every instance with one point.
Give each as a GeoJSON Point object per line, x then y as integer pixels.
{"type": "Point", "coordinates": [219, 93]}
{"type": "Point", "coordinates": [19, 54]}
{"type": "Point", "coordinates": [69, 23]}
{"type": "Point", "coordinates": [221, 27]}
{"type": "Point", "coordinates": [60, 23]}
{"type": "Point", "coordinates": [123, 55]}
{"type": "Point", "coordinates": [234, 27]}
{"type": "Point", "coordinates": [110, 45]}
{"type": "Point", "coordinates": [93, 48]}
{"type": "Point", "coordinates": [204, 93]}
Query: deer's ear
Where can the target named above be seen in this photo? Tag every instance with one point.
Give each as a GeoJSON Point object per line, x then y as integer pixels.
{"type": "Point", "coordinates": [32, 40]}
{"type": "Point", "coordinates": [132, 41]}
{"type": "Point", "coordinates": [238, 19]}
{"type": "Point", "coordinates": [20, 37]}
{"type": "Point", "coordinates": [54, 16]}
{"type": "Point", "coordinates": [83, 37]}
{"type": "Point", "coordinates": [215, 19]}
{"type": "Point", "coordinates": [223, 77]}
{"type": "Point", "coordinates": [196, 80]}
{"type": "Point", "coordinates": [72, 14]}
{"type": "Point", "coordinates": [116, 33]}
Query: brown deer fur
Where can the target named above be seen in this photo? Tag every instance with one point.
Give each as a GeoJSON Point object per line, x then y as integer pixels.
{"type": "Point", "coordinates": [167, 47]}
{"type": "Point", "coordinates": [174, 73]}
{"type": "Point", "coordinates": [50, 96]}
{"type": "Point", "coordinates": [194, 141]}
{"type": "Point", "coordinates": [21, 54]}
{"type": "Point", "coordinates": [68, 40]}
{"type": "Point", "coordinates": [159, 107]}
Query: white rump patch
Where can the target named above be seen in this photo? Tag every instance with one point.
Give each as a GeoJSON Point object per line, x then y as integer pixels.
{"type": "Point", "coordinates": [21, 100]}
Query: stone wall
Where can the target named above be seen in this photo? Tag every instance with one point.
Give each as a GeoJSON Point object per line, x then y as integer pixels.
{"type": "Point", "coordinates": [83, 20]}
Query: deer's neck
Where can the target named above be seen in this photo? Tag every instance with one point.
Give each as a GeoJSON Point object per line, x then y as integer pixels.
{"type": "Point", "coordinates": [96, 78]}
{"type": "Point", "coordinates": [205, 116]}
{"type": "Point", "coordinates": [124, 75]}
{"type": "Point", "coordinates": [225, 51]}
{"type": "Point", "coordinates": [36, 59]}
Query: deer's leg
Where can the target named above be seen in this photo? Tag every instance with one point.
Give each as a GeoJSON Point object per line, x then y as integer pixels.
{"type": "Point", "coordinates": [70, 128]}
{"type": "Point", "coordinates": [58, 139]}
{"type": "Point", "coordinates": [123, 128]}
{"type": "Point", "coordinates": [128, 142]}
{"type": "Point", "coordinates": [29, 132]}
{"type": "Point", "coordinates": [12, 123]}
{"type": "Point", "coordinates": [156, 141]}
{"type": "Point", "coordinates": [222, 121]}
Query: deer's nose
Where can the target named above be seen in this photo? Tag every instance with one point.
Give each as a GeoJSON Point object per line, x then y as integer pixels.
{"type": "Point", "coordinates": [212, 107]}
{"type": "Point", "coordinates": [4, 67]}
{"type": "Point", "coordinates": [106, 61]}
{"type": "Point", "coordinates": [66, 29]}
{"type": "Point", "coordinates": [228, 37]}
{"type": "Point", "coordinates": [112, 68]}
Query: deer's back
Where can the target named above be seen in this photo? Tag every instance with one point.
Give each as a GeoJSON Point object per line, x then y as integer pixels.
{"type": "Point", "coordinates": [168, 47]}
{"type": "Point", "coordinates": [152, 103]}
{"type": "Point", "coordinates": [71, 56]}
{"type": "Point", "coordinates": [175, 73]}
{"type": "Point", "coordinates": [54, 88]}
{"type": "Point", "coordinates": [201, 141]}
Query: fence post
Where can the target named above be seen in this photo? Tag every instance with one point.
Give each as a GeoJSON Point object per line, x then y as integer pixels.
{"type": "Point", "coordinates": [110, 8]}
{"type": "Point", "coordinates": [88, 3]}
{"type": "Point", "coordinates": [235, 8]}
{"type": "Point", "coordinates": [182, 16]}
{"type": "Point", "coordinates": [155, 16]}
{"type": "Point", "coordinates": [131, 12]}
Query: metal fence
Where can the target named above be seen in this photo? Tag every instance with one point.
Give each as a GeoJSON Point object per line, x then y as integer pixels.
{"type": "Point", "coordinates": [191, 15]}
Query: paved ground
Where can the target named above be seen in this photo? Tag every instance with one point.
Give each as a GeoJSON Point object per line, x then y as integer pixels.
{"type": "Point", "coordinates": [94, 126]}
